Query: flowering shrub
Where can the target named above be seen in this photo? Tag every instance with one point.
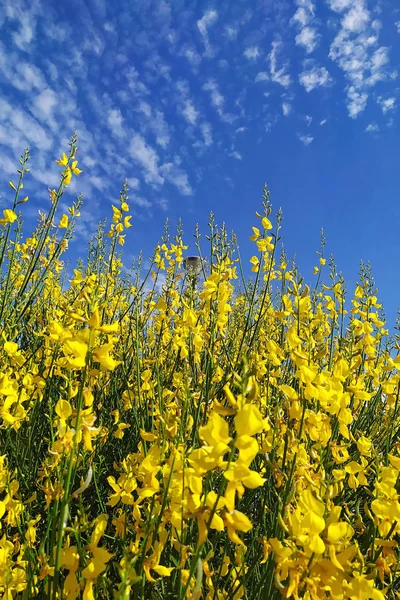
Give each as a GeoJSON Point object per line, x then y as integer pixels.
{"type": "Point", "coordinates": [204, 438]}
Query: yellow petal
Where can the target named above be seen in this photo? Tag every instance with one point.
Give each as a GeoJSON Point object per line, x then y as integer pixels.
{"type": "Point", "coordinates": [249, 421]}
{"type": "Point", "coordinates": [63, 409]}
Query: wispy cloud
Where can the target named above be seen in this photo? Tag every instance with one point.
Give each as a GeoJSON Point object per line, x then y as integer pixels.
{"type": "Point", "coordinates": [218, 100]}
{"type": "Point", "coordinates": [251, 52]}
{"type": "Point", "coordinates": [203, 24]}
{"type": "Point", "coordinates": [175, 175]}
{"type": "Point", "coordinates": [191, 54]}
{"type": "Point", "coordinates": [304, 13]}
{"type": "Point", "coordinates": [26, 18]}
{"type": "Point", "coordinates": [279, 74]}
{"type": "Point", "coordinates": [372, 128]}
{"type": "Point", "coordinates": [261, 76]}
{"type": "Point", "coordinates": [43, 106]}
{"type": "Point", "coordinates": [305, 139]}
{"type": "Point", "coordinates": [115, 122]}
{"type": "Point", "coordinates": [357, 52]}
{"type": "Point", "coordinates": [308, 37]}
{"type": "Point", "coordinates": [20, 74]}
{"type": "Point", "coordinates": [148, 160]}
{"type": "Point", "coordinates": [387, 104]}
{"type": "Point", "coordinates": [190, 113]}
{"type": "Point", "coordinates": [207, 133]}
{"type": "Point", "coordinates": [314, 76]}
{"type": "Point", "coordinates": [160, 128]}
{"type": "Point", "coordinates": [286, 108]}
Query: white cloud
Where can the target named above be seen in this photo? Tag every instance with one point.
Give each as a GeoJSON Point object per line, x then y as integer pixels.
{"type": "Point", "coordinates": [278, 75]}
{"type": "Point", "coordinates": [387, 104]}
{"type": "Point", "coordinates": [308, 120]}
{"type": "Point", "coordinates": [133, 183]}
{"type": "Point", "coordinates": [372, 128]}
{"type": "Point", "coordinates": [162, 203]}
{"type": "Point", "coordinates": [22, 75]}
{"type": "Point", "coordinates": [231, 32]}
{"type": "Point", "coordinates": [240, 130]}
{"type": "Point", "coordinates": [357, 52]}
{"type": "Point", "coordinates": [31, 132]}
{"type": "Point", "coordinates": [305, 139]}
{"type": "Point", "coordinates": [323, 122]}
{"type": "Point", "coordinates": [340, 5]}
{"type": "Point", "coordinates": [357, 101]}
{"type": "Point", "coordinates": [44, 104]}
{"type": "Point", "coordinates": [26, 16]}
{"type": "Point", "coordinates": [137, 87]}
{"type": "Point", "coordinates": [262, 76]}
{"type": "Point", "coordinates": [308, 38]}
{"type": "Point", "coordinates": [397, 25]}
{"type": "Point", "coordinates": [115, 122]}
{"type": "Point", "coordinates": [177, 177]}
{"type": "Point", "coordinates": [357, 18]}
{"type": "Point", "coordinates": [99, 183]}
{"type": "Point", "coordinates": [302, 16]}
{"type": "Point", "coordinates": [7, 165]}
{"type": "Point", "coordinates": [155, 122]}
{"type": "Point", "coordinates": [236, 155]}
{"type": "Point", "coordinates": [314, 76]}
{"type": "Point", "coordinates": [207, 133]}
{"type": "Point", "coordinates": [190, 113]}
{"type": "Point", "coordinates": [145, 108]}
{"type": "Point", "coordinates": [207, 20]}
{"type": "Point", "coordinates": [160, 128]}
{"type": "Point", "coordinates": [190, 53]}
{"type": "Point", "coordinates": [52, 70]}
{"type": "Point", "coordinates": [286, 108]}
{"type": "Point", "coordinates": [147, 158]}
{"type": "Point", "coordinates": [218, 100]}
{"type": "Point", "coordinates": [89, 161]}
{"type": "Point", "coordinates": [140, 201]}
{"type": "Point", "coordinates": [251, 52]}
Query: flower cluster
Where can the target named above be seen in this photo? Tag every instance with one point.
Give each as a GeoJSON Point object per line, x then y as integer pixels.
{"type": "Point", "coordinates": [179, 435]}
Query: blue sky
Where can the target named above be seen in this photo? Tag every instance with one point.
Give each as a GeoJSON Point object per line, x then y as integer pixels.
{"type": "Point", "coordinates": [199, 103]}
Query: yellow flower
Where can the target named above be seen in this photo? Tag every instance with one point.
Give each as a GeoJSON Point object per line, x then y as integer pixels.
{"type": "Point", "coordinates": [102, 355]}
{"type": "Point", "coordinates": [63, 160]}
{"type": "Point", "coordinates": [249, 421]}
{"type": "Point", "coordinates": [63, 224]}
{"type": "Point", "coordinates": [63, 409]}
{"type": "Point", "coordinates": [75, 352]}
{"type": "Point", "coordinates": [266, 223]}
{"type": "Point", "coordinates": [236, 521]}
{"type": "Point", "coordinates": [67, 176]}
{"type": "Point", "coordinates": [9, 216]}
{"type": "Point", "coordinates": [74, 168]}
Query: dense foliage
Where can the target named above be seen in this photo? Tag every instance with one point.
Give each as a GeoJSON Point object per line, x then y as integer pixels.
{"type": "Point", "coordinates": [185, 433]}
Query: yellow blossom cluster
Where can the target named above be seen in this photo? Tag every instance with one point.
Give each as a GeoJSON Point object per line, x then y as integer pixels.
{"type": "Point", "coordinates": [170, 436]}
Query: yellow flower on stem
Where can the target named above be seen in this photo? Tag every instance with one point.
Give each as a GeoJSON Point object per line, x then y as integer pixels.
{"type": "Point", "coordinates": [9, 216]}
{"type": "Point", "coordinates": [63, 160]}
{"type": "Point", "coordinates": [63, 224]}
